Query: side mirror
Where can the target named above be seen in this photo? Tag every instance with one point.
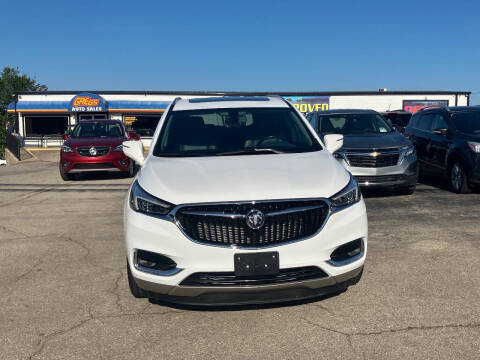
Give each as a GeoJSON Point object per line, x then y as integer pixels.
{"type": "Point", "coordinates": [133, 136]}
{"type": "Point", "coordinates": [333, 142]}
{"type": "Point", "coordinates": [440, 131]}
{"type": "Point", "coordinates": [65, 137]}
{"type": "Point", "coordinates": [134, 150]}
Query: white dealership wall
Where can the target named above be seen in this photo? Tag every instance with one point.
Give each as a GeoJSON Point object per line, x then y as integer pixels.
{"type": "Point", "coordinates": [385, 102]}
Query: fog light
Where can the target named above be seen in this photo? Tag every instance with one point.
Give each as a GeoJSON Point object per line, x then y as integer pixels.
{"type": "Point", "coordinates": [66, 163]}
{"type": "Point", "coordinates": [154, 261]}
{"type": "Point", "coordinates": [123, 162]}
{"type": "Point", "coordinates": [146, 263]}
{"type": "Point", "coordinates": [347, 253]}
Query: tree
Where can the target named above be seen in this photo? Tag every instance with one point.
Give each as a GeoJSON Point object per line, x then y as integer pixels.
{"type": "Point", "coordinates": [11, 82]}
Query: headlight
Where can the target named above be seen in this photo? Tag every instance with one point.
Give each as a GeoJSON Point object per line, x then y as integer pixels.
{"type": "Point", "coordinates": [66, 148]}
{"type": "Point", "coordinates": [347, 196]}
{"type": "Point", "coordinates": [408, 150]}
{"type": "Point", "coordinates": [118, 148]}
{"type": "Point", "coordinates": [474, 146]}
{"type": "Point", "coordinates": [145, 203]}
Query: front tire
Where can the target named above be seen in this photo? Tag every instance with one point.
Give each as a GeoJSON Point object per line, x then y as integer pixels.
{"type": "Point", "coordinates": [134, 289]}
{"type": "Point", "coordinates": [131, 170]}
{"type": "Point", "coordinates": [65, 176]}
{"type": "Point", "coordinates": [458, 178]}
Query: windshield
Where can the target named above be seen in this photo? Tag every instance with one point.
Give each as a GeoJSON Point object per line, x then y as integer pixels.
{"type": "Point", "coordinates": [353, 124]}
{"type": "Point", "coordinates": [98, 129]}
{"type": "Point", "coordinates": [234, 131]}
{"type": "Point", "coordinates": [467, 121]}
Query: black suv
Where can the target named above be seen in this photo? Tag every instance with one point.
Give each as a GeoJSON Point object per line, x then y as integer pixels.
{"type": "Point", "coordinates": [447, 140]}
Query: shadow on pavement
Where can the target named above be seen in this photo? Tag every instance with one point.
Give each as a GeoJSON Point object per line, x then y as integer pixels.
{"type": "Point", "coordinates": [218, 308]}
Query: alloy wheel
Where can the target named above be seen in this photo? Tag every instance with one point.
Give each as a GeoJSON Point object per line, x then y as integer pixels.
{"type": "Point", "coordinates": [456, 176]}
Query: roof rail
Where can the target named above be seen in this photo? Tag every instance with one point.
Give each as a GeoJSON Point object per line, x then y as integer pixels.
{"type": "Point", "coordinates": [174, 102]}
{"type": "Point", "coordinates": [284, 100]}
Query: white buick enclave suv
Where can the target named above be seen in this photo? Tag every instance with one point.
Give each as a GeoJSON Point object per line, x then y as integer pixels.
{"type": "Point", "coordinates": [238, 201]}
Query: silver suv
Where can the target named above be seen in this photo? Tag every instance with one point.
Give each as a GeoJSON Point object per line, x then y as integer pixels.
{"type": "Point", "coordinates": [376, 154]}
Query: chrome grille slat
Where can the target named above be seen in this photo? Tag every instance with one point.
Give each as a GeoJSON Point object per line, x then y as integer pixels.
{"type": "Point", "coordinates": [225, 224]}
{"type": "Point", "coordinates": [368, 160]}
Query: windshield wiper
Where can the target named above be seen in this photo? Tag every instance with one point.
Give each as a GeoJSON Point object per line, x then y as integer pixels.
{"type": "Point", "coordinates": [251, 151]}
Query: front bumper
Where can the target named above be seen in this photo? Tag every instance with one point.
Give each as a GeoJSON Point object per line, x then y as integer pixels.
{"type": "Point", "coordinates": [404, 174]}
{"type": "Point", "coordinates": [220, 296]}
{"type": "Point", "coordinates": [113, 161]}
{"type": "Point", "coordinates": [164, 237]}
{"type": "Point", "coordinates": [474, 170]}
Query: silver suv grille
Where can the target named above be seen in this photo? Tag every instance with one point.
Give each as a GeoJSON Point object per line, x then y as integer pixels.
{"type": "Point", "coordinates": [226, 224]}
{"type": "Point", "coordinates": [372, 159]}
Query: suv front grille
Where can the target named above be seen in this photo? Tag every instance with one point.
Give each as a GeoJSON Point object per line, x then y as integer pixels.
{"type": "Point", "coordinates": [380, 178]}
{"type": "Point", "coordinates": [230, 279]}
{"type": "Point", "coordinates": [225, 224]}
{"type": "Point", "coordinates": [93, 166]}
{"type": "Point", "coordinates": [101, 151]}
{"type": "Point", "coordinates": [369, 160]}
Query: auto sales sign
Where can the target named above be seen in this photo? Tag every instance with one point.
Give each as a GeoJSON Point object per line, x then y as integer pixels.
{"type": "Point", "coordinates": [88, 102]}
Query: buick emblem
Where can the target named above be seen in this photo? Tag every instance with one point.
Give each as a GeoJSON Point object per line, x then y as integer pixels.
{"type": "Point", "coordinates": [93, 151]}
{"type": "Point", "coordinates": [255, 219]}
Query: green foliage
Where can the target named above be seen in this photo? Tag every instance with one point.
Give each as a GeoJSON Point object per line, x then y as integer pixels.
{"type": "Point", "coordinates": [11, 82]}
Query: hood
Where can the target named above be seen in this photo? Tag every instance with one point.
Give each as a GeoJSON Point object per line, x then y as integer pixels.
{"type": "Point", "coordinates": [243, 178]}
{"type": "Point", "coordinates": [94, 141]}
{"type": "Point", "coordinates": [375, 141]}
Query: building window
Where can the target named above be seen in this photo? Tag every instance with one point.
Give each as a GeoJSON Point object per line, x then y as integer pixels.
{"type": "Point", "coordinates": [91, 117]}
{"type": "Point", "coordinates": [143, 125]}
{"type": "Point", "coordinates": [45, 125]}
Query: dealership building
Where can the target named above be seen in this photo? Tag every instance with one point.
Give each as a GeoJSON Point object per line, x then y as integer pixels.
{"type": "Point", "coordinates": [43, 116]}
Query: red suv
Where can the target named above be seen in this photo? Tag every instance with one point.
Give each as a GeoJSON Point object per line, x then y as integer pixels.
{"type": "Point", "coordinates": [95, 145]}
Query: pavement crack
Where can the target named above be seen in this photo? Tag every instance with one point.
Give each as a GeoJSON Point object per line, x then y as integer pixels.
{"type": "Point", "coordinates": [423, 327]}
{"type": "Point", "coordinates": [140, 313]}
{"type": "Point", "coordinates": [323, 307]}
{"type": "Point", "coordinates": [114, 291]}
{"type": "Point", "coordinates": [325, 328]}
{"type": "Point", "coordinates": [387, 331]}
{"type": "Point", "coordinates": [55, 334]}
{"type": "Point", "coordinates": [47, 338]}
{"type": "Point", "coordinates": [27, 196]}
{"type": "Point", "coordinates": [16, 232]}
{"type": "Point", "coordinates": [79, 243]}
{"type": "Point", "coordinates": [28, 272]}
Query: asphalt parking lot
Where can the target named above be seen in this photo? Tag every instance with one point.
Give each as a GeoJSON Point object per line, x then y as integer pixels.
{"type": "Point", "coordinates": [64, 293]}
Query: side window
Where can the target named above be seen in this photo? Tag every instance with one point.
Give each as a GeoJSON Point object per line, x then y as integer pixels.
{"type": "Point", "coordinates": [312, 119]}
{"type": "Point", "coordinates": [439, 122]}
{"type": "Point", "coordinates": [414, 121]}
{"type": "Point", "coordinates": [425, 122]}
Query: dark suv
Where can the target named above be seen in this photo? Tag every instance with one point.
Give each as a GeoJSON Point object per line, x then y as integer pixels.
{"type": "Point", "coordinates": [447, 141]}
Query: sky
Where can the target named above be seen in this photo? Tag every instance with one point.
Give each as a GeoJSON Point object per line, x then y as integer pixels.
{"type": "Point", "coordinates": [245, 45]}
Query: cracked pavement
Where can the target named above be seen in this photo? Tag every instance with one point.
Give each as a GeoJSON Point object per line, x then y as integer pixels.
{"type": "Point", "coordinates": [64, 294]}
